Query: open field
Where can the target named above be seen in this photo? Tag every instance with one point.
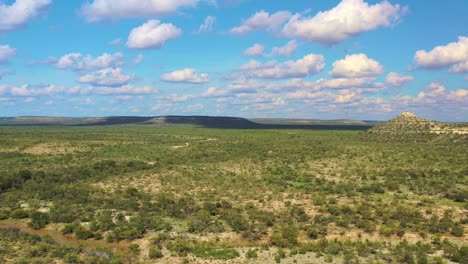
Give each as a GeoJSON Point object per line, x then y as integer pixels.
{"type": "Point", "coordinates": [184, 194]}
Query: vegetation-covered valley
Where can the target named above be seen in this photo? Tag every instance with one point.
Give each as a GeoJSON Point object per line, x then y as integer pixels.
{"type": "Point", "coordinates": [183, 194]}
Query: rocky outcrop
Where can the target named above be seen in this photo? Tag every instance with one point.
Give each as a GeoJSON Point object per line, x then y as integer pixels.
{"type": "Point", "coordinates": [407, 127]}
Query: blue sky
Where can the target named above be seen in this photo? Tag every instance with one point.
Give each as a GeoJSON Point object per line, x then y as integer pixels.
{"type": "Point", "coordinates": [293, 59]}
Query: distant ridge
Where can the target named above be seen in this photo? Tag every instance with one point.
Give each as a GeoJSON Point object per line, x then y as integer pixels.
{"type": "Point", "coordinates": [407, 127]}
{"type": "Point", "coordinates": [199, 121]}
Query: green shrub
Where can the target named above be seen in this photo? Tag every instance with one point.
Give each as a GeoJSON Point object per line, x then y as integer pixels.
{"type": "Point", "coordinates": [69, 228]}
{"type": "Point", "coordinates": [287, 236]}
{"type": "Point", "coordinates": [155, 253]}
{"type": "Point", "coordinates": [38, 220]}
{"type": "Point", "coordinates": [82, 233]}
{"type": "Point", "coordinates": [457, 230]}
{"type": "Point", "coordinates": [19, 214]}
{"type": "Point", "coordinates": [251, 254]}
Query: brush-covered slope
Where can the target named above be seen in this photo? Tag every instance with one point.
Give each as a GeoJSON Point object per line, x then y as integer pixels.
{"type": "Point", "coordinates": [407, 127]}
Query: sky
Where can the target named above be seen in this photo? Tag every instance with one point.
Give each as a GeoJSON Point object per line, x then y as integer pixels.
{"type": "Point", "coordinates": [355, 59]}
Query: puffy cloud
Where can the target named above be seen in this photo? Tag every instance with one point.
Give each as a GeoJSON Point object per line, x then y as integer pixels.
{"type": "Point", "coordinates": [435, 95]}
{"type": "Point", "coordinates": [345, 97]}
{"type": "Point", "coordinates": [185, 76]}
{"type": "Point", "coordinates": [306, 66]}
{"type": "Point", "coordinates": [207, 25]}
{"type": "Point", "coordinates": [125, 90]}
{"type": "Point", "coordinates": [315, 95]}
{"type": "Point", "coordinates": [397, 80]}
{"type": "Point", "coordinates": [349, 18]}
{"type": "Point", "coordinates": [461, 67]}
{"type": "Point", "coordinates": [346, 83]}
{"type": "Point", "coordinates": [356, 66]}
{"type": "Point", "coordinates": [152, 35]}
{"type": "Point", "coordinates": [214, 92]}
{"type": "Point", "coordinates": [287, 50]}
{"type": "Point", "coordinates": [177, 98]}
{"type": "Point", "coordinates": [27, 91]}
{"type": "Point", "coordinates": [122, 90]}
{"type": "Point", "coordinates": [107, 77]}
{"type": "Point", "coordinates": [118, 9]}
{"type": "Point", "coordinates": [460, 95]}
{"type": "Point", "coordinates": [262, 20]}
{"type": "Point", "coordinates": [245, 86]}
{"type": "Point", "coordinates": [6, 52]}
{"type": "Point", "coordinates": [79, 62]}
{"type": "Point", "coordinates": [434, 89]}
{"type": "Point", "coordinates": [17, 14]}
{"type": "Point", "coordinates": [255, 51]}
{"type": "Point", "coordinates": [443, 56]}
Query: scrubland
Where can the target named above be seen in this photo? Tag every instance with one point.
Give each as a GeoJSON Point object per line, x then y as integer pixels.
{"type": "Point", "coordinates": [183, 194]}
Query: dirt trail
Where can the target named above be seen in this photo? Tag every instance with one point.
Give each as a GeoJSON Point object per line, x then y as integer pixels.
{"type": "Point", "coordinates": [57, 236]}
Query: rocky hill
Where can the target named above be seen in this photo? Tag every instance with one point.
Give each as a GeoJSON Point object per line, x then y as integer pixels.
{"type": "Point", "coordinates": [407, 127]}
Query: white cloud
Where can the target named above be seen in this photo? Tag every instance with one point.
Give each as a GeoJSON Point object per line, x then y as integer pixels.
{"type": "Point", "coordinates": [6, 53]}
{"type": "Point", "coordinates": [255, 51]}
{"type": "Point", "coordinates": [125, 90]}
{"type": "Point", "coordinates": [460, 95]}
{"type": "Point", "coordinates": [152, 35]}
{"type": "Point", "coordinates": [443, 56]}
{"type": "Point", "coordinates": [214, 92]}
{"type": "Point", "coordinates": [262, 20]}
{"type": "Point", "coordinates": [356, 66]}
{"type": "Point", "coordinates": [138, 59]}
{"type": "Point", "coordinates": [397, 80]}
{"type": "Point", "coordinates": [461, 67]}
{"type": "Point", "coordinates": [308, 65]}
{"type": "Point", "coordinates": [118, 9]}
{"type": "Point", "coordinates": [345, 98]}
{"type": "Point", "coordinates": [27, 91]}
{"type": "Point", "coordinates": [434, 89]}
{"type": "Point", "coordinates": [345, 83]}
{"type": "Point", "coordinates": [278, 101]}
{"type": "Point", "coordinates": [435, 95]}
{"type": "Point", "coordinates": [107, 77]}
{"type": "Point", "coordinates": [185, 76]}
{"type": "Point", "coordinates": [29, 100]}
{"type": "Point", "coordinates": [177, 98]}
{"type": "Point", "coordinates": [285, 51]}
{"type": "Point", "coordinates": [17, 14]}
{"type": "Point", "coordinates": [349, 18]}
{"type": "Point", "coordinates": [122, 90]}
{"type": "Point", "coordinates": [245, 86]}
{"type": "Point", "coordinates": [207, 25]}
{"type": "Point", "coordinates": [305, 94]}
{"type": "Point", "coordinates": [79, 62]}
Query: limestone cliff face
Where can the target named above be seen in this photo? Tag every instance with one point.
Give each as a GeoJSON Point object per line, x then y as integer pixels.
{"type": "Point", "coordinates": [407, 127]}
